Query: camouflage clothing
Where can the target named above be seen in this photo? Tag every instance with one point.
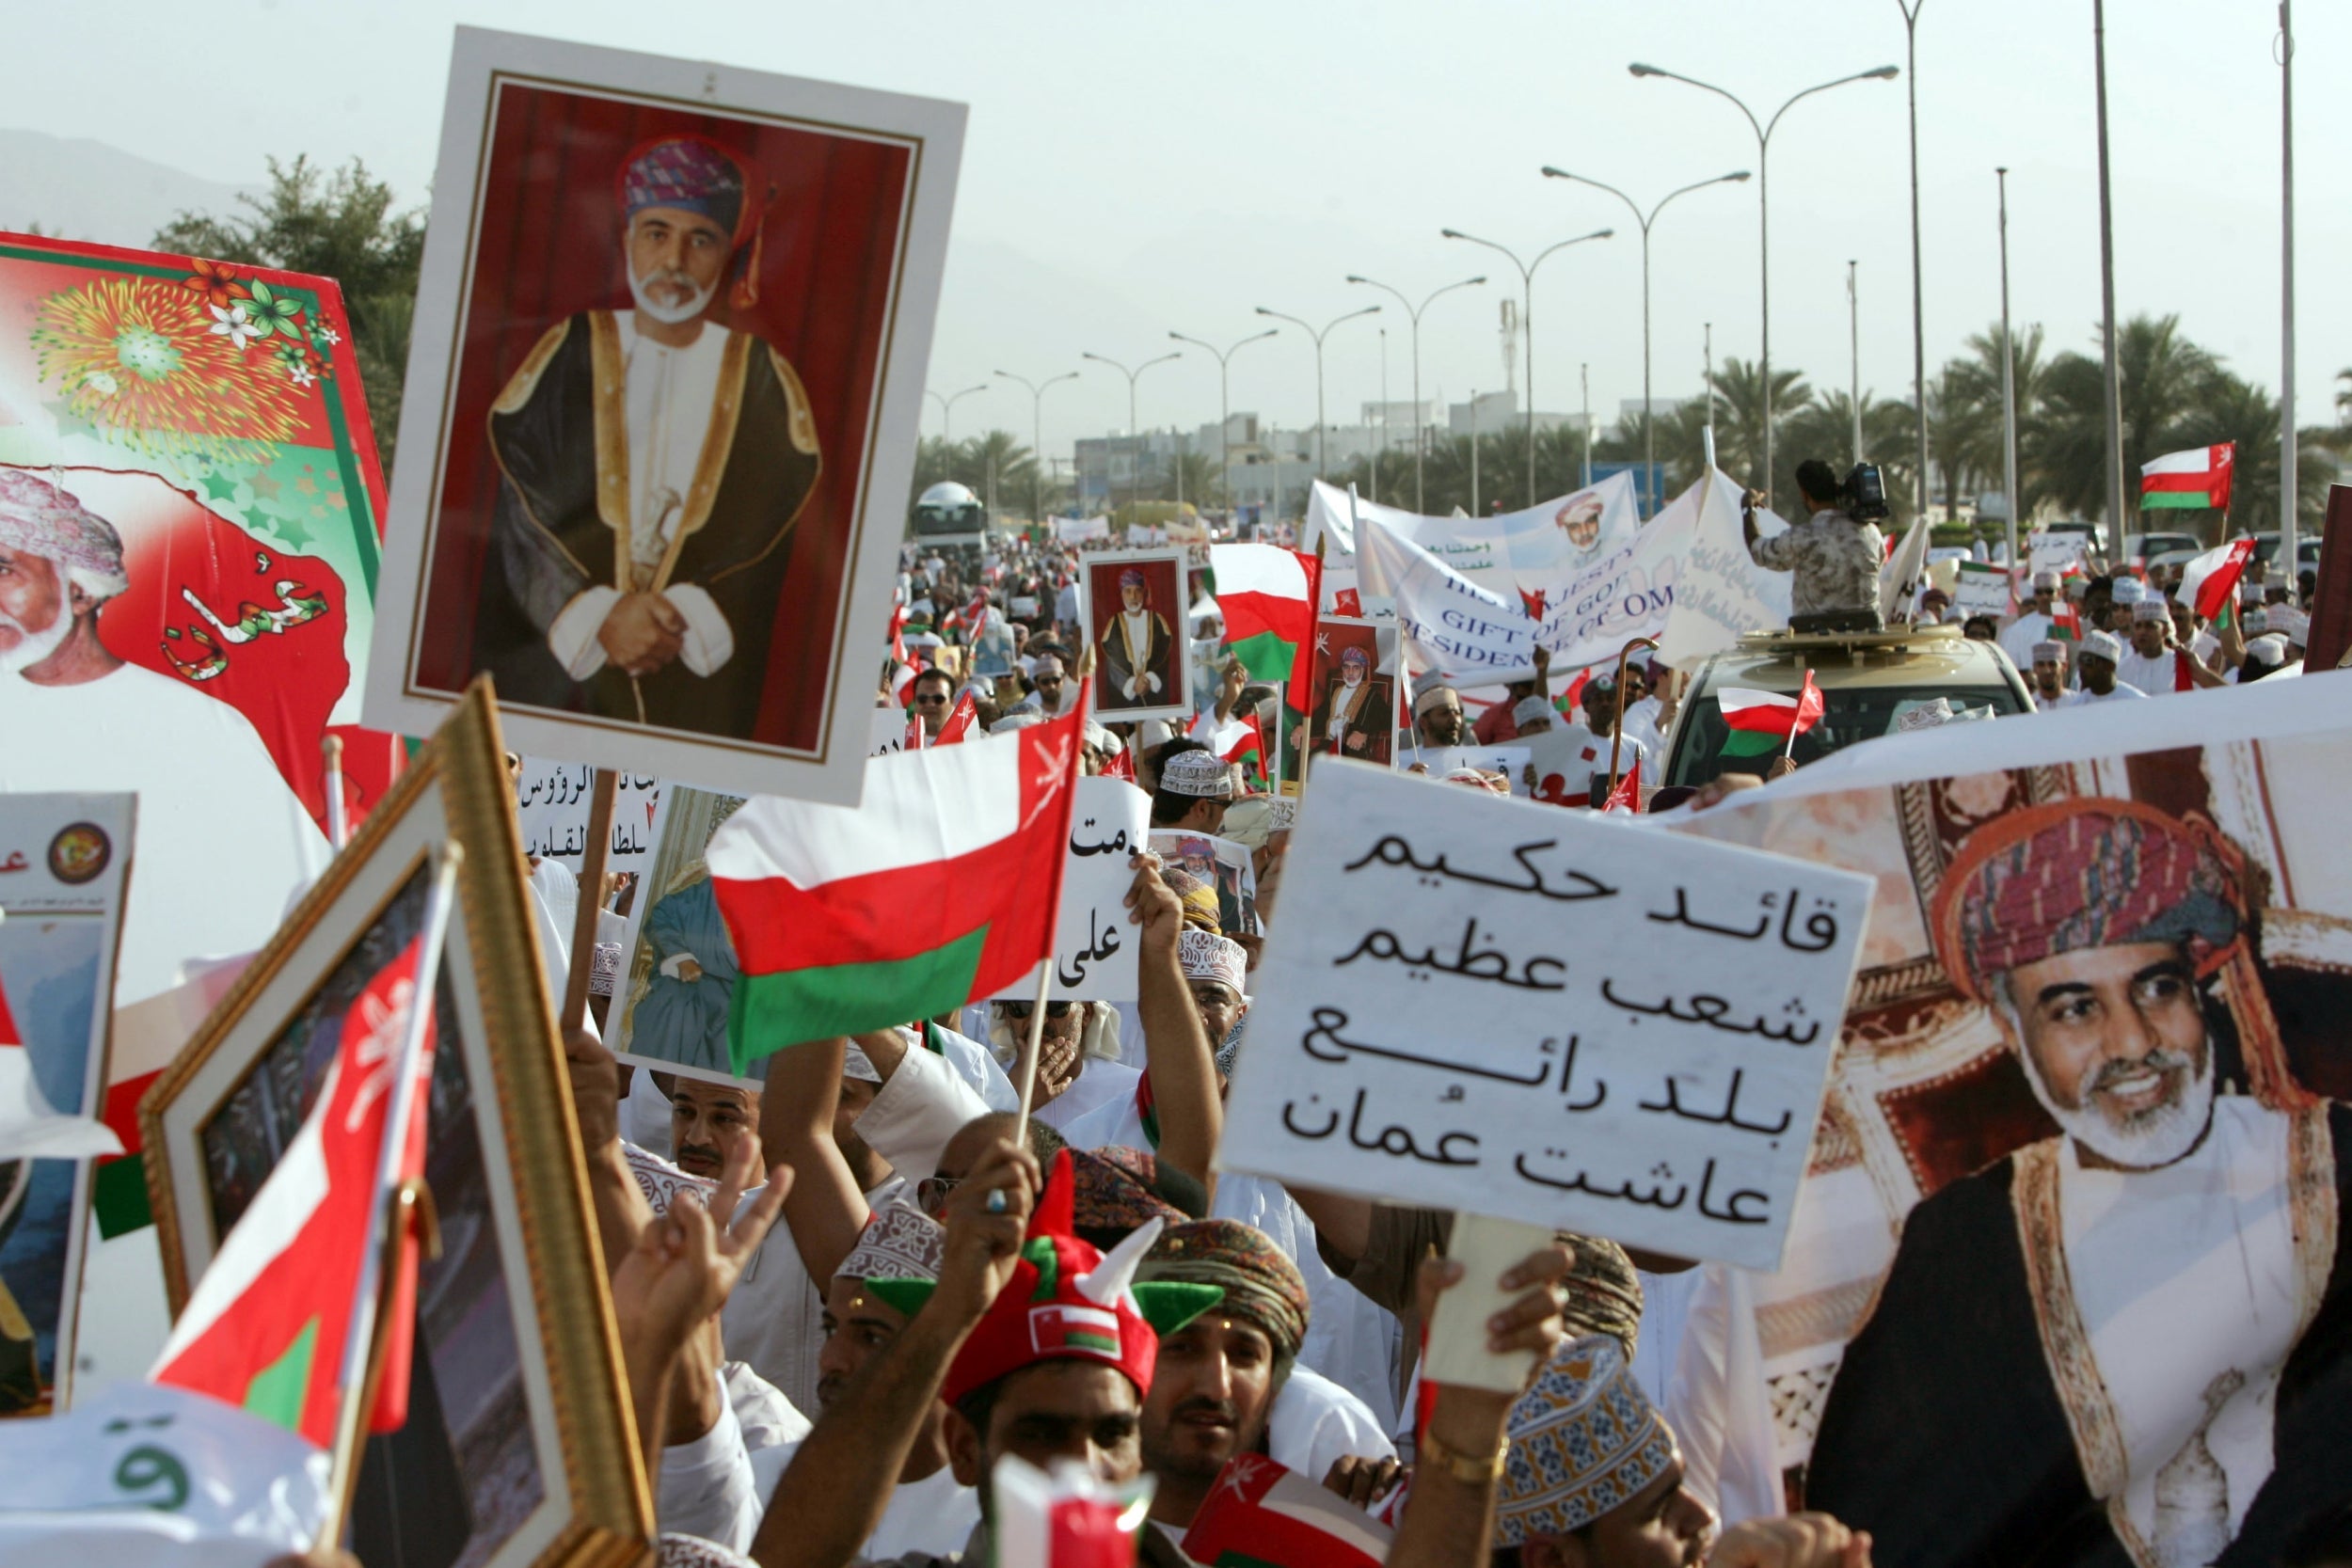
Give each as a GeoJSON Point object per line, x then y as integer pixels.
{"type": "Point", "coordinates": [1835, 560]}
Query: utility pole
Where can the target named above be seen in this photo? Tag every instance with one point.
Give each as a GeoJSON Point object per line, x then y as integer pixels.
{"type": "Point", "coordinates": [1910, 9]}
{"type": "Point", "coordinates": [1135, 435]}
{"type": "Point", "coordinates": [1854, 338]}
{"type": "Point", "coordinates": [1474, 511]}
{"type": "Point", "coordinates": [2009, 395]}
{"type": "Point", "coordinates": [2288, 457]}
{"type": "Point", "coordinates": [1036, 433]}
{"type": "Point", "coordinates": [2114, 390]}
{"type": "Point", "coordinates": [1316, 338]}
{"type": "Point", "coordinates": [1420, 424]}
{"type": "Point", "coordinates": [1224, 403]}
{"type": "Point", "coordinates": [1584, 379]}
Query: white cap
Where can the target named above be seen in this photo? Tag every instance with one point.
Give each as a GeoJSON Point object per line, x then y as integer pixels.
{"type": "Point", "coordinates": [2101, 644]}
{"type": "Point", "coordinates": [2128, 591]}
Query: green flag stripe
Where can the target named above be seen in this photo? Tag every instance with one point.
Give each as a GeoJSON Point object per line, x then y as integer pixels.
{"type": "Point", "coordinates": [2199, 500]}
{"type": "Point", "coordinates": [279, 1390]}
{"type": "Point", "coordinates": [768, 1012]}
{"type": "Point", "coordinates": [1752, 743]}
{"type": "Point", "coordinates": [119, 1196]}
{"type": "Point", "coordinates": [1266, 657]}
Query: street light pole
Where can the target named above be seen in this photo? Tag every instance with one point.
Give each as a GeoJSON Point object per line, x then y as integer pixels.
{"type": "Point", "coordinates": [1318, 336]}
{"type": "Point", "coordinates": [2008, 393]}
{"type": "Point", "coordinates": [1584, 380]}
{"type": "Point", "coordinates": [1135, 483]}
{"type": "Point", "coordinates": [1384, 418]}
{"type": "Point", "coordinates": [1764, 208]}
{"type": "Point", "coordinates": [1224, 401]}
{"type": "Point", "coordinates": [1420, 426]}
{"type": "Point", "coordinates": [1037, 437]}
{"type": "Point", "coordinates": [1527, 321]}
{"type": "Point", "coordinates": [1910, 9]}
{"type": "Point", "coordinates": [1853, 341]}
{"type": "Point", "coordinates": [2114, 389]}
{"type": "Point", "coordinates": [2289, 478]}
{"type": "Point", "coordinates": [947, 410]}
{"type": "Point", "coordinates": [1649, 435]}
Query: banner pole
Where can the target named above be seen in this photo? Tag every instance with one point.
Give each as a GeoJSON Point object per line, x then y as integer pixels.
{"type": "Point", "coordinates": [592, 859]}
{"type": "Point", "coordinates": [1616, 729]}
{"type": "Point", "coordinates": [1027, 1067]}
{"type": "Point", "coordinates": [337, 833]}
{"type": "Point", "coordinates": [1789, 751]}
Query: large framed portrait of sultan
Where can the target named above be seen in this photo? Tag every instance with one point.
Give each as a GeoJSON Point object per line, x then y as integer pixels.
{"type": "Point", "coordinates": [660, 411]}
{"type": "Point", "coordinates": [519, 1449]}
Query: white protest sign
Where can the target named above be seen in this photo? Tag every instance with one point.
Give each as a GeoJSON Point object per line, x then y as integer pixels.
{"type": "Point", "coordinates": [889, 733]}
{"type": "Point", "coordinates": [1450, 623]}
{"type": "Point", "coordinates": [1094, 946]}
{"type": "Point", "coordinates": [1509, 1009]}
{"type": "Point", "coordinates": [1510, 552]}
{"type": "Point", "coordinates": [2055, 552]}
{"type": "Point", "coordinates": [1978, 590]}
{"type": "Point", "coordinates": [1509, 761]}
{"type": "Point", "coordinates": [552, 811]}
{"type": "Point", "coordinates": [1722, 593]}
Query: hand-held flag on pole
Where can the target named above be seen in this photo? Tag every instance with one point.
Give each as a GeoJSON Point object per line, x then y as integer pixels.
{"type": "Point", "coordinates": [1267, 596]}
{"type": "Point", "coordinates": [2200, 477]}
{"type": "Point", "coordinates": [2209, 582]}
{"type": "Point", "coordinates": [1262, 1515]}
{"type": "Point", "coordinates": [961, 722]}
{"type": "Point", "coordinates": [943, 885]}
{"type": "Point", "coordinates": [1765, 721]}
{"type": "Point", "coordinates": [280, 1324]}
{"type": "Point", "coordinates": [1627, 797]}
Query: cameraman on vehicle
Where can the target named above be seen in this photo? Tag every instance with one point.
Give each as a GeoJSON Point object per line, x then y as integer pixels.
{"type": "Point", "coordinates": [1834, 558]}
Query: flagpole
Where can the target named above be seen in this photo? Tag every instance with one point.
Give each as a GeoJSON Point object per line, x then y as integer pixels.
{"type": "Point", "coordinates": [1027, 1067]}
{"type": "Point", "coordinates": [1616, 730]}
{"type": "Point", "coordinates": [333, 748]}
{"type": "Point", "coordinates": [592, 860]}
{"type": "Point", "coordinates": [1789, 750]}
{"type": "Point", "coordinates": [359, 1342]}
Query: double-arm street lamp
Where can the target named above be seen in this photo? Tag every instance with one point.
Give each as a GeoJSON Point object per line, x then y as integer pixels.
{"type": "Point", "coordinates": [1224, 401]}
{"type": "Point", "coordinates": [947, 409]}
{"type": "Point", "coordinates": [1421, 425]}
{"type": "Point", "coordinates": [1764, 130]}
{"type": "Point", "coordinates": [1135, 433]}
{"type": "Point", "coordinates": [1036, 441]}
{"type": "Point", "coordinates": [1527, 321]}
{"type": "Point", "coordinates": [1317, 339]}
{"type": "Point", "coordinates": [1649, 415]}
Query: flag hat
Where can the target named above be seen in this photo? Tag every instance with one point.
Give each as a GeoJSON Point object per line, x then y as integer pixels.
{"type": "Point", "coordinates": [1065, 1302]}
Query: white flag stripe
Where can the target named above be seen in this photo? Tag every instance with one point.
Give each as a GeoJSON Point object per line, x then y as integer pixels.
{"type": "Point", "coordinates": [2197, 460]}
{"type": "Point", "coordinates": [920, 808]}
{"type": "Point", "coordinates": [1735, 699]}
{"type": "Point", "coordinates": [1266, 569]}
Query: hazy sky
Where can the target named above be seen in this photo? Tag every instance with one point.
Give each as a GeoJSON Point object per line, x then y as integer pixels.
{"type": "Point", "coordinates": [1135, 168]}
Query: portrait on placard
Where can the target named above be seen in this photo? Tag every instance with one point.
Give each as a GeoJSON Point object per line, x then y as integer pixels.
{"type": "Point", "coordinates": [1352, 711]}
{"type": "Point", "coordinates": [663, 388]}
{"type": "Point", "coordinates": [63, 857]}
{"type": "Point", "coordinates": [1135, 614]}
{"type": "Point", "coordinates": [1223, 868]}
{"type": "Point", "coordinates": [679, 964]}
{"type": "Point", "coordinates": [189, 508]}
{"type": "Point", "coordinates": [514, 1406]}
{"type": "Point", "coordinates": [2090, 1115]}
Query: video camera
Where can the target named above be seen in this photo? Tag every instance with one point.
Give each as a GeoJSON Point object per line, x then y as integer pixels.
{"type": "Point", "coordinates": [1863, 496]}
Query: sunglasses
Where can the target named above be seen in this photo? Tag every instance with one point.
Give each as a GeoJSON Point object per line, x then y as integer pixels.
{"type": "Point", "coordinates": [935, 700]}
{"type": "Point", "coordinates": [931, 1192]}
{"type": "Point", "coordinates": [1053, 1009]}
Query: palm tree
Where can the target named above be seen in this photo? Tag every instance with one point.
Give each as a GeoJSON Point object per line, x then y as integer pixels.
{"type": "Point", "coordinates": [2164, 376]}
{"type": "Point", "coordinates": [2232, 409]}
{"type": "Point", "coordinates": [1972, 384]}
{"type": "Point", "coordinates": [1740, 423]}
{"type": "Point", "coordinates": [1195, 476]}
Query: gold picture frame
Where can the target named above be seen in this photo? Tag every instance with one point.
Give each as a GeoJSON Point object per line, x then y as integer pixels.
{"type": "Point", "coordinates": [520, 1450]}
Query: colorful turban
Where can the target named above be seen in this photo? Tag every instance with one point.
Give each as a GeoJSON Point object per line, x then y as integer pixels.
{"type": "Point", "coordinates": [1260, 1281]}
{"type": "Point", "coordinates": [2077, 873]}
{"type": "Point", "coordinates": [1603, 1293]}
{"type": "Point", "coordinates": [1207, 955]}
{"type": "Point", "coordinates": [686, 173]}
{"type": "Point", "coordinates": [901, 1241]}
{"type": "Point", "coordinates": [1202, 773]}
{"type": "Point", "coordinates": [1131, 577]}
{"type": "Point", "coordinates": [41, 519]}
{"type": "Point", "coordinates": [1201, 911]}
{"type": "Point", "coordinates": [1354, 656]}
{"type": "Point", "coordinates": [1584, 1442]}
{"type": "Point", "coordinates": [1194, 849]}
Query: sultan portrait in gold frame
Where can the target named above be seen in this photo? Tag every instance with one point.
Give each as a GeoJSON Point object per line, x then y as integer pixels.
{"type": "Point", "coordinates": [520, 1448]}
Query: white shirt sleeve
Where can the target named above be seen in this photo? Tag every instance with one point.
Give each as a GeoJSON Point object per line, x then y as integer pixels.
{"type": "Point", "coordinates": [923, 1106]}
{"type": "Point", "coordinates": [707, 1486]}
{"type": "Point", "coordinates": [671, 964]}
{"type": "Point", "coordinates": [572, 637]}
{"type": "Point", "coordinates": [709, 641]}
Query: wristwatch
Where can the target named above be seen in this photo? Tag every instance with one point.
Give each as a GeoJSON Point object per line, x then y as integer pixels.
{"type": "Point", "coordinates": [1470, 1469]}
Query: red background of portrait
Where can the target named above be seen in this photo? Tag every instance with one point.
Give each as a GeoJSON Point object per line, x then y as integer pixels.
{"type": "Point", "coordinates": [1161, 595]}
{"type": "Point", "coordinates": [549, 245]}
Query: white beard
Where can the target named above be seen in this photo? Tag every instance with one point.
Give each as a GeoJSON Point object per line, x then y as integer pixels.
{"type": "Point", "coordinates": [34, 645]}
{"type": "Point", "coordinates": [2165, 1134]}
{"type": "Point", "coordinates": [669, 315]}
{"type": "Point", "coordinates": [1350, 681]}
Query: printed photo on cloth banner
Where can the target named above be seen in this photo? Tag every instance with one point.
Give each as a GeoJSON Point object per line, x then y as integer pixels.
{"type": "Point", "coordinates": [679, 967]}
{"type": "Point", "coordinates": [1509, 553]}
{"type": "Point", "coordinates": [551, 801]}
{"type": "Point", "coordinates": [1513, 1011]}
{"type": "Point", "coordinates": [2088, 1117]}
{"type": "Point", "coordinates": [1077, 530]}
{"type": "Point", "coordinates": [1343, 704]}
{"type": "Point", "coordinates": [516, 1406]}
{"type": "Point", "coordinates": [1223, 868]}
{"type": "Point", "coordinates": [660, 409]}
{"type": "Point", "coordinates": [1135, 615]}
{"type": "Point", "coordinates": [1095, 945]}
{"type": "Point", "coordinates": [187, 442]}
{"type": "Point", "coordinates": [62, 860]}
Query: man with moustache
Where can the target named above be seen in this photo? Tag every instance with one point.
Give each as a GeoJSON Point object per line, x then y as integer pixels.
{"type": "Point", "coordinates": [2045, 677]}
{"type": "Point", "coordinates": [653, 463]}
{"type": "Point", "coordinates": [2125, 1342]}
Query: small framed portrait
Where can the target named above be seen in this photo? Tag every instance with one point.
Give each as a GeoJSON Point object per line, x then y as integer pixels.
{"type": "Point", "coordinates": [62, 860]}
{"type": "Point", "coordinates": [518, 1426]}
{"type": "Point", "coordinates": [679, 967]}
{"type": "Point", "coordinates": [1349, 700]}
{"type": "Point", "coordinates": [660, 420]}
{"type": "Point", "coordinates": [1135, 616]}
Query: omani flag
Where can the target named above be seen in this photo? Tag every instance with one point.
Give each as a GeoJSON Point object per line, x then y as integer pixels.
{"type": "Point", "coordinates": [2210, 582]}
{"type": "Point", "coordinates": [1267, 594]}
{"type": "Point", "coordinates": [942, 886]}
{"type": "Point", "coordinates": [2197, 477]}
{"type": "Point", "coordinates": [1260, 1515]}
{"type": "Point", "coordinates": [1765, 721]}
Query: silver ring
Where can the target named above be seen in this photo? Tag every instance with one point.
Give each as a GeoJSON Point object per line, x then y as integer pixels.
{"type": "Point", "coordinates": [996, 1203]}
